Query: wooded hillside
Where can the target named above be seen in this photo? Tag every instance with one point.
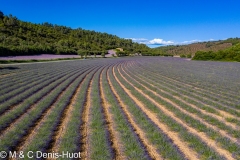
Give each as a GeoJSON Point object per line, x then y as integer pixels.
{"type": "Point", "coordinates": [25, 38]}
{"type": "Point", "coordinates": [190, 49]}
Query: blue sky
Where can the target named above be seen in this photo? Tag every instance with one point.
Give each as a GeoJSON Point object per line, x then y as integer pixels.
{"type": "Point", "coordinates": [150, 22]}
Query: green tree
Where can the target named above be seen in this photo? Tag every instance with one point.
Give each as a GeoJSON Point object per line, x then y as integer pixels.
{"type": "Point", "coordinates": [104, 53]}
{"type": "Point", "coordinates": [10, 21]}
{"type": "Point", "coordinates": [1, 15]}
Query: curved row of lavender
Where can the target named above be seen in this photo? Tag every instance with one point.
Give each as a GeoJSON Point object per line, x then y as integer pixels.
{"type": "Point", "coordinates": [39, 57]}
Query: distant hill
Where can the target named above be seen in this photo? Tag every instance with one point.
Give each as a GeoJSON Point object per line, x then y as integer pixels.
{"type": "Point", "coordinates": [25, 38]}
{"type": "Point", "coordinates": [190, 49]}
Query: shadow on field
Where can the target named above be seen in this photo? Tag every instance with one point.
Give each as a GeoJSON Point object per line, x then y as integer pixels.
{"type": "Point", "coordinates": [9, 68]}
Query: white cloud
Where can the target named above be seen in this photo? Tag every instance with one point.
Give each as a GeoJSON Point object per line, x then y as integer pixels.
{"type": "Point", "coordinates": [157, 41]}
{"type": "Point", "coordinates": [192, 41]}
{"type": "Point", "coordinates": [188, 42]}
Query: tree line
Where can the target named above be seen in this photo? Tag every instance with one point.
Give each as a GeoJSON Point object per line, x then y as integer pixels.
{"type": "Point", "coordinates": [229, 54]}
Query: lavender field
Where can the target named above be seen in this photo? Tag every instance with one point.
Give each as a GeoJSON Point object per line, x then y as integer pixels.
{"type": "Point", "coordinates": [39, 57]}
{"type": "Point", "coordinates": [122, 108]}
